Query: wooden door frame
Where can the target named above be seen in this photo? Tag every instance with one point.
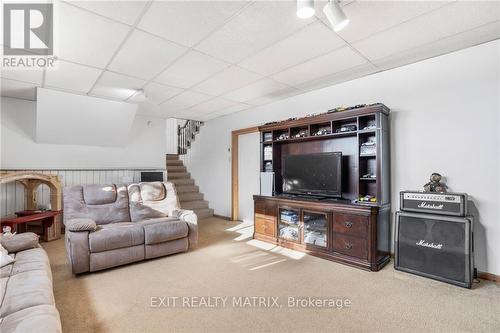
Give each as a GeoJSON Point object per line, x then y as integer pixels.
{"type": "Point", "coordinates": [235, 203]}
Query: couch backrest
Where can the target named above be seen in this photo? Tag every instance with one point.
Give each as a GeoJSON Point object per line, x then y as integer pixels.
{"type": "Point", "coordinates": [102, 203]}
{"type": "Point", "coordinates": [151, 200]}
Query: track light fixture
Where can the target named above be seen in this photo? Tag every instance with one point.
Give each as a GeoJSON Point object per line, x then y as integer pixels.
{"type": "Point", "coordinates": [305, 8]}
{"type": "Point", "coordinates": [139, 96]}
{"type": "Point", "coordinates": [335, 15]}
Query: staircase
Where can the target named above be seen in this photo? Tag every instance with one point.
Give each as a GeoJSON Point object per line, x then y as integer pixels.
{"type": "Point", "coordinates": [186, 134]}
{"type": "Point", "coordinates": [189, 194]}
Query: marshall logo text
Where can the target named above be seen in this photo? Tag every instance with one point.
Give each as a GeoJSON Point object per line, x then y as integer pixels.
{"type": "Point", "coordinates": [430, 206]}
{"type": "Point", "coordinates": [427, 244]}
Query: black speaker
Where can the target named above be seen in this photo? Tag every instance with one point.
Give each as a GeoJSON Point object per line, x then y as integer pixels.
{"type": "Point", "coordinates": [435, 246]}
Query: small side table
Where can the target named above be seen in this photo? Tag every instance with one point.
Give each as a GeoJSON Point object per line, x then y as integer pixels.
{"type": "Point", "coordinates": [46, 218]}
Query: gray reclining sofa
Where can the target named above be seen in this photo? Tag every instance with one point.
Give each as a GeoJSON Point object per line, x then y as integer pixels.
{"type": "Point", "coordinates": [112, 225]}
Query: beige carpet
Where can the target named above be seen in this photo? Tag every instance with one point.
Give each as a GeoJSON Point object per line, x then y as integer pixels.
{"type": "Point", "coordinates": [228, 263]}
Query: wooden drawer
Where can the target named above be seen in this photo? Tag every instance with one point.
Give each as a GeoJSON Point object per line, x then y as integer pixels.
{"type": "Point", "coordinates": [265, 209]}
{"type": "Point", "coordinates": [351, 246]}
{"type": "Point", "coordinates": [349, 224]}
{"type": "Point", "coordinates": [265, 226]}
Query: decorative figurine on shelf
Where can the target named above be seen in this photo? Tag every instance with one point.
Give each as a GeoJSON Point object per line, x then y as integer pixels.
{"type": "Point", "coordinates": [435, 184]}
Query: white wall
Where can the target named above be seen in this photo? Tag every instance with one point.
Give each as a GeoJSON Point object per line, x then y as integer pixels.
{"type": "Point", "coordinates": [171, 135]}
{"type": "Point", "coordinates": [145, 146]}
{"type": "Point", "coordinates": [444, 118]}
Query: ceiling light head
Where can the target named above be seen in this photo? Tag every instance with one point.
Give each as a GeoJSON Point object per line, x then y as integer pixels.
{"type": "Point", "coordinates": [335, 15]}
{"type": "Point", "coordinates": [305, 8]}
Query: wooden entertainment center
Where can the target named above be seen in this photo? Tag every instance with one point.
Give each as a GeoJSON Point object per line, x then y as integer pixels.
{"type": "Point", "coordinates": [345, 230]}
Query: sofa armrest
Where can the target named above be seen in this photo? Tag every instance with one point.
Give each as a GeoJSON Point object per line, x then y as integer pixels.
{"type": "Point", "coordinates": [80, 224]}
{"type": "Point", "coordinates": [191, 220]}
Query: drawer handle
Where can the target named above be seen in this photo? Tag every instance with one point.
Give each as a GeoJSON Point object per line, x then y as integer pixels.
{"type": "Point", "coordinates": [348, 246]}
{"type": "Point", "coordinates": [348, 224]}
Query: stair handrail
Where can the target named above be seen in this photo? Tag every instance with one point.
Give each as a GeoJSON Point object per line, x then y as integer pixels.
{"type": "Point", "coordinates": [186, 134]}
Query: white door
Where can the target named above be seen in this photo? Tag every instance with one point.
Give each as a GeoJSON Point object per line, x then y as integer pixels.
{"type": "Point", "coordinates": [248, 173]}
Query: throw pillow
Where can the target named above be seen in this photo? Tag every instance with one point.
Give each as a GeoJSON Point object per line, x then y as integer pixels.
{"type": "Point", "coordinates": [20, 242]}
{"type": "Point", "coordinates": [5, 259]}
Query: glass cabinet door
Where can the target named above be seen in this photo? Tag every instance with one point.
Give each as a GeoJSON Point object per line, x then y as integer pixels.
{"type": "Point", "coordinates": [288, 224]}
{"type": "Point", "coordinates": [315, 228]}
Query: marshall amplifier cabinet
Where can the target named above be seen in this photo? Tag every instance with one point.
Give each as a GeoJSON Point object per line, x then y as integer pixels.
{"type": "Point", "coordinates": [435, 246]}
{"type": "Point", "coordinates": [454, 204]}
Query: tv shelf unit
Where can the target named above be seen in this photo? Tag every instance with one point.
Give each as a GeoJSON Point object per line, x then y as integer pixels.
{"type": "Point", "coordinates": [345, 230]}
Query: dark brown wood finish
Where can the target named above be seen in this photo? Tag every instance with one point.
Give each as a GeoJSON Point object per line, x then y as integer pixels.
{"type": "Point", "coordinates": [358, 233]}
{"type": "Point", "coordinates": [353, 235]}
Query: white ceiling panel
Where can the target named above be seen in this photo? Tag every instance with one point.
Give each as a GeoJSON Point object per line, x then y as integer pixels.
{"type": "Point", "coordinates": [157, 93]}
{"type": "Point", "coordinates": [184, 101]}
{"type": "Point", "coordinates": [478, 35]}
{"type": "Point", "coordinates": [262, 88]}
{"type": "Point", "coordinates": [330, 63]}
{"type": "Point", "coordinates": [116, 86]}
{"type": "Point", "coordinates": [258, 26]}
{"type": "Point", "coordinates": [191, 69]}
{"type": "Point", "coordinates": [312, 41]}
{"type": "Point", "coordinates": [144, 55]}
{"type": "Point", "coordinates": [86, 38]}
{"type": "Point", "coordinates": [24, 75]}
{"type": "Point", "coordinates": [369, 17]}
{"type": "Point", "coordinates": [232, 109]}
{"type": "Point", "coordinates": [227, 80]}
{"type": "Point", "coordinates": [446, 21]}
{"type": "Point", "coordinates": [213, 105]}
{"type": "Point", "coordinates": [16, 89]}
{"type": "Point", "coordinates": [124, 11]}
{"type": "Point", "coordinates": [343, 76]}
{"type": "Point", "coordinates": [69, 76]}
{"type": "Point", "coordinates": [187, 22]}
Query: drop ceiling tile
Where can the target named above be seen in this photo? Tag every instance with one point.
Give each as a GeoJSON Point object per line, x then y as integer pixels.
{"type": "Point", "coordinates": [482, 34]}
{"type": "Point", "coordinates": [16, 89]}
{"type": "Point", "coordinates": [262, 88]}
{"type": "Point", "coordinates": [187, 22]}
{"type": "Point", "coordinates": [336, 78]}
{"type": "Point", "coordinates": [144, 55]}
{"type": "Point", "coordinates": [333, 62]}
{"type": "Point", "coordinates": [24, 75]}
{"type": "Point", "coordinates": [229, 79]}
{"type": "Point", "coordinates": [183, 114]}
{"type": "Point", "coordinates": [69, 76]}
{"type": "Point", "coordinates": [116, 86]}
{"type": "Point", "coordinates": [157, 93]}
{"type": "Point", "coordinates": [183, 101]}
{"type": "Point", "coordinates": [275, 96]}
{"type": "Point", "coordinates": [444, 22]}
{"type": "Point", "coordinates": [123, 11]}
{"type": "Point", "coordinates": [369, 17]}
{"type": "Point", "coordinates": [312, 41]}
{"type": "Point", "coordinates": [191, 69]}
{"type": "Point", "coordinates": [84, 37]}
{"type": "Point", "coordinates": [259, 25]}
{"type": "Point", "coordinates": [213, 105]}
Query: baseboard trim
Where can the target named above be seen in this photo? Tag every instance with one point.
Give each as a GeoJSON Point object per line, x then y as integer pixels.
{"type": "Point", "coordinates": [488, 276]}
{"type": "Point", "coordinates": [227, 218]}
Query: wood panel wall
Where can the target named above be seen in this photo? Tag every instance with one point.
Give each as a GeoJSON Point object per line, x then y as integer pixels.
{"type": "Point", "coordinates": [12, 195]}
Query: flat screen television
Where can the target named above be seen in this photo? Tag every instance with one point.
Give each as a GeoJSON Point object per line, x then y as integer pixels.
{"type": "Point", "coordinates": [317, 174]}
{"type": "Point", "coordinates": [152, 176]}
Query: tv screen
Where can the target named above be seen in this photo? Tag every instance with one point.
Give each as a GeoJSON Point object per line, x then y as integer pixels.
{"type": "Point", "coordinates": [151, 176]}
{"type": "Point", "coordinates": [315, 174]}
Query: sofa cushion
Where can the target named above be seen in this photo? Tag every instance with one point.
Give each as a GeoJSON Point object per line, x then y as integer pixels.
{"type": "Point", "coordinates": [116, 235]}
{"type": "Point", "coordinates": [165, 231]}
{"type": "Point", "coordinates": [27, 289]}
{"type": "Point", "coordinates": [20, 242]}
{"type": "Point", "coordinates": [99, 194]}
{"type": "Point", "coordinates": [40, 319]}
{"type": "Point", "coordinates": [30, 260]}
{"type": "Point", "coordinates": [153, 191]}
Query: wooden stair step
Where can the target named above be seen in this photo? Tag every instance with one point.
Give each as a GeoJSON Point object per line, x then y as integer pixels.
{"type": "Point", "coordinates": [182, 181]}
{"type": "Point", "coordinates": [204, 213]}
{"type": "Point", "coordinates": [195, 204]}
{"type": "Point", "coordinates": [173, 162]}
{"type": "Point", "coordinates": [190, 196]}
{"type": "Point", "coordinates": [186, 188]}
{"type": "Point", "coordinates": [178, 175]}
{"type": "Point", "coordinates": [172, 157]}
{"type": "Point", "coordinates": [176, 168]}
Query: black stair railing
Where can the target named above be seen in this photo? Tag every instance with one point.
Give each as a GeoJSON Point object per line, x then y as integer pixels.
{"type": "Point", "coordinates": [186, 134]}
